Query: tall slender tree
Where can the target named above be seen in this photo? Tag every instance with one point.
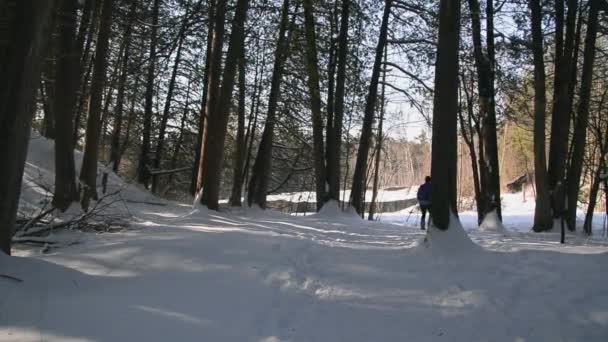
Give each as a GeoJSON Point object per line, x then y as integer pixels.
{"type": "Point", "coordinates": [22, 45]}
{"type": "Point", "coordinates": [258, 185]}
{"type": "Point", "coordinates": [122, 85]}
{"type": "Point", "coordinates": [66, 80]}
{"type": "Point", "coordinates": [160, 143]}
{"type": "Point", "coordinates": [445, 113]}
{"type": "Point", "coordinates": [88, 171]}
{"type": "Point", "coordinates": [211, 93]}
{"type": "Point", "coordinates": [240, 143]}
{"type": "Point", "coordinates": [143, 174]}
{"type": "Point", "coordinates": [334, 140]}
{"type": "Point", "coordinates": [582, 118]}
{"type": "Point", "coordinates": [484, 63]}
{"type": "Point", "coordinates": [562, 102]}
{"type": "Point", "coordinates": [312, 69]}
{"type": "Point", "coordinates": [218, 118]}
{"type": "Point", "coordinates": [358, 188]}
{"type": "Point", "coordinates": [542, 212]}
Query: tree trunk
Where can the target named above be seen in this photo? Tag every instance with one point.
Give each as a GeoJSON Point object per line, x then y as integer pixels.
{"type": "Point", "coordinates": [262, 167]}
{"type": "Point", "coordinates": [21, 55]}
{"type": "Point", "coordinates": [218, 119]}
{"type": "Point", "coordinates": [130, 121]}
{"type": "Point", "coordinates": [195, 183]}
{"type": "Point", "coordinates": [163, 124]}
{"type": "Point", "coordinates": [88, 172]}
{"type": "Point", "coordinates": [120, 98]}
{"type": "Point", "coordinates": [445, 116]}
{"type": "Point", "coordinates": [334, 141]}
{"type": "Point", "coordinates": [380, 138]}
{"type": "Point", "coordinates": [358, 187]}
{"type": "Point", "coordinates": [331, 102]}
{"type": "Point", "coordinates": [467, 130]}
{"type": "Point", "coordinates": [143, 173]}
{"type": "Point", "coordinates": [582, 118]}
{"type": "Point", "coordinates": [562, 104]}
{"type": "Point", "coordinates": [240, 144]}
{"type": "Point", "coordinates": [48, 75]}
{"type": "Point", "coordinates": [490, 188]}
{"type": "Point", "coordinates": [312, 69]}
{"type": "Point", "coordinates": [180, 139]}
{"type": "Point", "coordinates": [213, 86]}
{"type": "Point", "coordinates": [542, 213]}
{"type": "Point", "coordinates": [595, 187]}
{"type": "Point", "coordinates": [84, 42]}
{"type": "Point", "coordinates": [65, 105]}
{"type": "Point", "coordinates": [254, 113]}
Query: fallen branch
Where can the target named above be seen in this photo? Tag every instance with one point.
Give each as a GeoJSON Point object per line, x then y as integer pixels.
{"type": "Point", "coordinates": [11, 278]}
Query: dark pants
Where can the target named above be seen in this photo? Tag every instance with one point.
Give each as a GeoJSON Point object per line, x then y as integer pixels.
{"type": "Point", "coordinates": [424, 209]}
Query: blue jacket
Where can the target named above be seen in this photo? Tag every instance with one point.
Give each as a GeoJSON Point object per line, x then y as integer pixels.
{"type": "Point", "coordinates": [424, 194]}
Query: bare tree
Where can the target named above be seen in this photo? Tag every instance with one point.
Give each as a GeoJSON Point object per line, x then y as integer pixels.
{"type": "Point", "coordinates": [88, 172]}
{"type": "Point", "coordinates": [542, 213]}
{"type": "Point", "coordinates": [218, 118]}
{"type": "Point", "coordinates": [22, 44]}
{"type": "Point", "coordinates": [66, 80]}
{"type": "Point", "coordinates": [358, 187]}
{"type": "Point", "coordinates": [258, 185]}
{"type": "Point", "coordinates": [143, 174]}
{"type": "Point", "coordinates": [312, 69]}
{"type": "Point", "coordinates": [445, 114]}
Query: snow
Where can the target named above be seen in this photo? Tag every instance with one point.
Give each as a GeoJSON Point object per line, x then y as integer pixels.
{"type": "Point", "coordinates": [491, 222]}
{"type": "Point", "coordinates": [451, 242]}
{"type": "Point", "coordinates": [383, 195]}
{"type": "Point", "coordinates": [188, 274]}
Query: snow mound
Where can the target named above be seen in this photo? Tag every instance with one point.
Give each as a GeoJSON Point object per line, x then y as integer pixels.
{"type": "Point", "coordinates": [333, 210]}
{"type": "Point", "coordinates": [39, 179]}
{"type": "Point", "coordinates": [452, 242]}
{"type": "Point", "coordinates": [491, 223]}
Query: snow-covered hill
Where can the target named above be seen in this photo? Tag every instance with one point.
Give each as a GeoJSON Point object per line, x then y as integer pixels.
{"type": "Point", "coordinates": [183, 274]}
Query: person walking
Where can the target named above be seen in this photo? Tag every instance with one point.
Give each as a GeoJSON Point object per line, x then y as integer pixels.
{"type": "Point", "coordinates": [424, 200]}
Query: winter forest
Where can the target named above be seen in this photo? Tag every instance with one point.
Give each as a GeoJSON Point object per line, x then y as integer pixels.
{"type": "Point", "coordinates": [252, 170]}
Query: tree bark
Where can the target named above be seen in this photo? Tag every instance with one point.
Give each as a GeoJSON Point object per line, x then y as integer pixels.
{"type": "Point", "coordinates": [258, 185]}
{"type": "Point", "coordinates": [542, 213]}
{"type": "Point", "coordinates": [218, 119]}
{"type": "Point", "coordinates": [490, 188]}
{"type": "Point", "coordinates": [143, 174]}
{"type": "Point", "coordinates": [445, 114]}
{"type": "Point", "coordinates": [358, 188]}
{"type": "Point", "coordinates": [240, 144]}
{"type": "Point", "coordinates": [334, 140]}
{"type": "Point", "coordinates": [84, 41]}
{"type": "Point", "coordinates": [312, 69]}
{"type": "Point", "coordinates": [213, 86]}
{"type": "Point", "coordinates": [582, 118]}
{"type": "Point", "coordinates": [65, 106]}
{"type": "Point", "coordinates": [22, 46]}
{"type": "Point", "coordinates": [171, 88]}
{"type": "Point", "coordinates": [331, 99]}
{"type": "Point", "coordinates": [195, 182]}
{"type": "Point", "coordinates": [120, 97]}
{"type": "Point", "coordinates": [376, 182]}
{"type": "Point", "coordinates": [562, 103]}
{"type": "Point", "coordinates": [467, 131]}
{"type": "Point", "coordinates": [180, 138]}
{"type": "Point", "coordinates": [88, 172]}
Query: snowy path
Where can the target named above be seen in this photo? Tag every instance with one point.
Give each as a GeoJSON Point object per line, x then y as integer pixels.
{"type": "Point", "coordinates": [248, 276]}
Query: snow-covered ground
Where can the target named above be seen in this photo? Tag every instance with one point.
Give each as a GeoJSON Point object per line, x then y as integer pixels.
{"type": "Point", "coordinates": [310, 196]}
{"type": "Point", "coordinates": [184, 274]}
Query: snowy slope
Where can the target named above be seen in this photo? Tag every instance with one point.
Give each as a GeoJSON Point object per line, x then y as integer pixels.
{"type": "Point", "coordinates": [183, 274]}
